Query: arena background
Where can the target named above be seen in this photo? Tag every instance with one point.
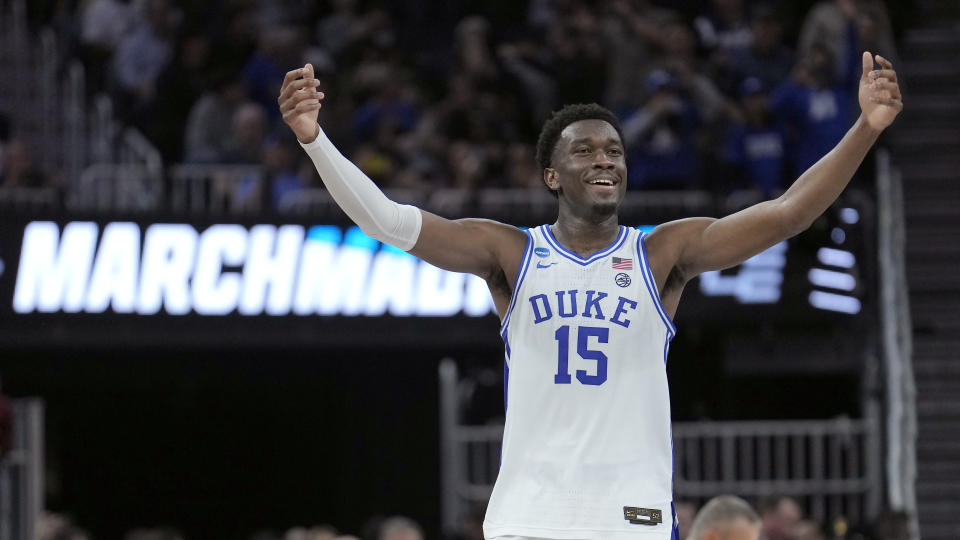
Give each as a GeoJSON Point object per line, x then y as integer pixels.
{"type": "Point", "coordinates": [221, 417]}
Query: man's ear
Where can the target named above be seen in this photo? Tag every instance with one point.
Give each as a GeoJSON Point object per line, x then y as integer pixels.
{"type": "Point", "coordinates": [550, 178]}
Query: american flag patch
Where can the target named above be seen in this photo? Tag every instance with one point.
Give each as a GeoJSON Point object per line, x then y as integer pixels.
{"type": "Point", "coordinates": [622, 264]}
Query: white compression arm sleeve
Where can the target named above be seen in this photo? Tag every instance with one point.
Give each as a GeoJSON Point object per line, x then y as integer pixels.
{"type": "Point", "coordinates": [361, 199]}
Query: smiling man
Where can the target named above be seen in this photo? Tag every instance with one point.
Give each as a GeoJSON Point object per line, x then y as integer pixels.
{"type": "Point", "coordinates": [586, 306]}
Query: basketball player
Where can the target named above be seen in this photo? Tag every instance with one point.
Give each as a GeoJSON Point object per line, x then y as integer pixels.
{"type": "Point", "coordinates": [586, 307]}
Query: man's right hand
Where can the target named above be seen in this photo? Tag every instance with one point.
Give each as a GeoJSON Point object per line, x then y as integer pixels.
{"type": "Point", "coordinates": [300, 102]}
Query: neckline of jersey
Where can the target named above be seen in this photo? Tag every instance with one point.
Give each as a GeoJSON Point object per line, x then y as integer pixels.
{"type": "Point", "coordinates": [548, 234]}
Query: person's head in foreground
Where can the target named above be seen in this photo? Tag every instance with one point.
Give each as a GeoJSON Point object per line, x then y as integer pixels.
{"type": "Point", "coordinates": [779, 514]}
{"type": "Point", "coordinates": [725, 517]}
{"type": "Point", "coordinates": [400, 528]}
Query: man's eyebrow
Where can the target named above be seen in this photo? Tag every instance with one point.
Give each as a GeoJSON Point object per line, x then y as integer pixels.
{"type": "Point", "coordinates": [610, 140]}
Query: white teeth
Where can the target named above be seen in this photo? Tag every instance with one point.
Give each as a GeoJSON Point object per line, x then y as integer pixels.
{"type": "Point", "coordinates": [602, 181]}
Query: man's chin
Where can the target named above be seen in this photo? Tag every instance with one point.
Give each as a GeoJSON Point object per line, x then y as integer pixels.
{"type": "Point", "coordinates": [605, 208]}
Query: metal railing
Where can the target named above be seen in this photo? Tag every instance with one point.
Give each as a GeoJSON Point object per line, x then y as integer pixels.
{"type": "Point", "coordinates": [125, 171]}
{"type": "Point", "coordinates": [21, 472]}
{"type": "Point", "coordinates": [48, 109]}
{"type": "Point", "coordinates": [216, 189]}
{"type": "Point", "coordinates": [827, 465]}
{"type": "Point", "coordinates": [28, 200]}
{"type": "Point", "coordinates": [112, 187]}
{"type": "Point", "coordinates": [896, 344]}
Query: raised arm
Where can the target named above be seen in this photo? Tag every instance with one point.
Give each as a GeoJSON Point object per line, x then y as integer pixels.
{"type": "Point", "coordinates": [691, 246]}
{"type": "Point", "coordinates": [486, 248]}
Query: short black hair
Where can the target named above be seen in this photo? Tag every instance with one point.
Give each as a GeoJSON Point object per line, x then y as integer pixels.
{"type": "Point", "coordinates": [559, 120]}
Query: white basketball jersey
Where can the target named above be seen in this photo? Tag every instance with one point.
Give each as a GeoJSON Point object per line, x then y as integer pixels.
{"type": "Point", "coordinates": [587, 448]}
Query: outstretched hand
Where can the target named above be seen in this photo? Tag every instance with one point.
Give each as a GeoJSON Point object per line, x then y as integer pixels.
{"type": "Point", "coordinates": [300, 102]}
{"type": "Point", "coordinates": [879, 94]}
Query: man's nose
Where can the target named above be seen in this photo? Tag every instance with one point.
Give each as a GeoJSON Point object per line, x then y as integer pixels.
{"type": "Point", "coordinates": [603, 161]}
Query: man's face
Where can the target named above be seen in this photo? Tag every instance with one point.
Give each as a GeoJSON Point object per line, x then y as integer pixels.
{"type": "Point", "coordinates": [742, 529]}
{"type": "Point", "coordinates": [589, 167]}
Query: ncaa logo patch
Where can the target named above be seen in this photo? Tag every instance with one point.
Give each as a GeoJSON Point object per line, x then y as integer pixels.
{"type": "Point", "coordinates": [622, 279]}
{"type": "Point", "coordinates": [542, 252]}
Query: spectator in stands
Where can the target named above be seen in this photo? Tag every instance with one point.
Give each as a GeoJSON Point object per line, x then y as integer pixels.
{"type": "Point", "coordinates": [279, 165]}
{"type": "Point", "coordinates": [660, 138]}
{"type": "Point", "coordinates": [141, 57]}
{"type": "Point", "coordinates": [632, 35]}
{"type": "Point", "coordinates": [19, 169]}
{"type": "Point", "coordinates": [209, 133]}
{"type": "Point", "coordinates": [104, 23]}
{"type": "Point", "coordinates": [324, 532]}
{"type": "Point", "coordinates": [766, 58]}
{"type": "Point", "coordinates": [470, 523]}
{"type": "Point", "coordinates": [874, 31]}
{"type": "Point", "coordinates": [815, 106]}
{"type": "Point", "coordinates": [681, 61]}
{"type": "Point", "coordinates": [577, 65]}
{"type": "Point", "coordinates": [779, 515]}
{"type": "Point", "coordinates": [400, 528]}
{"type": "Point", "coordinates": [163, 533]}
{"type": "Point", "coordinates": [341, 28]}
{"type": "Point", "coordinates": [725, 517]}
{"type": "Point", "coordinates": [830, 24]}
{"type": "Point", "coordinates": [806, 529]}
{"type": "Point", "coordinates": [58, 527]}
{"type": "Point", "coordinates": [180, 84]}
{"type": "Point", "coordinates": [522, 171]}
{"type": "Point", "coordinates": [468, 165]}
{"type": "Point", "coordinates": [686, 512]}
{"type": "Point", "coordinates": [755, 149]}
{"type": "Point", "coordinates": [277, 47]}
{"type": "Point", "coordinates": [391, 102]}
{"type": "Point", "coordinates": [837, 24]}
{"type": "Point", "coordinates": [249, 127]}
{"type": "Point", "coordinates": [381, 117]}
{"type": "Point", "coordinates": [234, 32]}
{"type": "Point", "coordinates": [724, 27]}
{"type": "Point", "coordinates": [474, 52]}
{"type": "Point", "coordinates": [319, 532]}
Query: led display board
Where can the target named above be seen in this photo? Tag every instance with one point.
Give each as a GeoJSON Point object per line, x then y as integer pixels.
{"type": "Point", "coordinates": [165, 280]}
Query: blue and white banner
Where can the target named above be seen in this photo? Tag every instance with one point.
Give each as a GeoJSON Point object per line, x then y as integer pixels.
{"type": "Point", "coordinates": [226, 268]}
{"type": "Point", "coordinates": [73, 279]}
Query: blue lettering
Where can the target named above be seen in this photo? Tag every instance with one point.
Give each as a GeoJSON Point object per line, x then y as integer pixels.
{"type": "Point", "coordinates": [537, 316]}
{"type": "Point", "coordinates": [585, 352]}
{"type": "Point", "coordinates": [573, 304]}
{"type": "Point", "coordinates": [594, 303]}
{"type": "Point", "coordinates": [620, 311]}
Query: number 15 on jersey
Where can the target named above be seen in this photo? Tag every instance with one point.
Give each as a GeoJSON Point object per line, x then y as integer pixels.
{"type": "Point", "coordinates": [584, 333]}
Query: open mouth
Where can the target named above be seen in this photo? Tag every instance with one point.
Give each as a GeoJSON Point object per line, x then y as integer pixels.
{"type": "Point", "coordinates": [602, 181]}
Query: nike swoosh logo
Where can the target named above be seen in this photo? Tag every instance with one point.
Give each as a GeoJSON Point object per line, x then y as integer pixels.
{"type": "Point", "coordinates": [541, 265]}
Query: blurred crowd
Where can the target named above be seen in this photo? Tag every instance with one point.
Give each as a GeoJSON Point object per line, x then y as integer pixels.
{"type": "Point", "coordinates": [60, 527]}
{"type": "Point", "coordinates": [718, 95]}
{"type": "Point", "coordinates": [725, 517]}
